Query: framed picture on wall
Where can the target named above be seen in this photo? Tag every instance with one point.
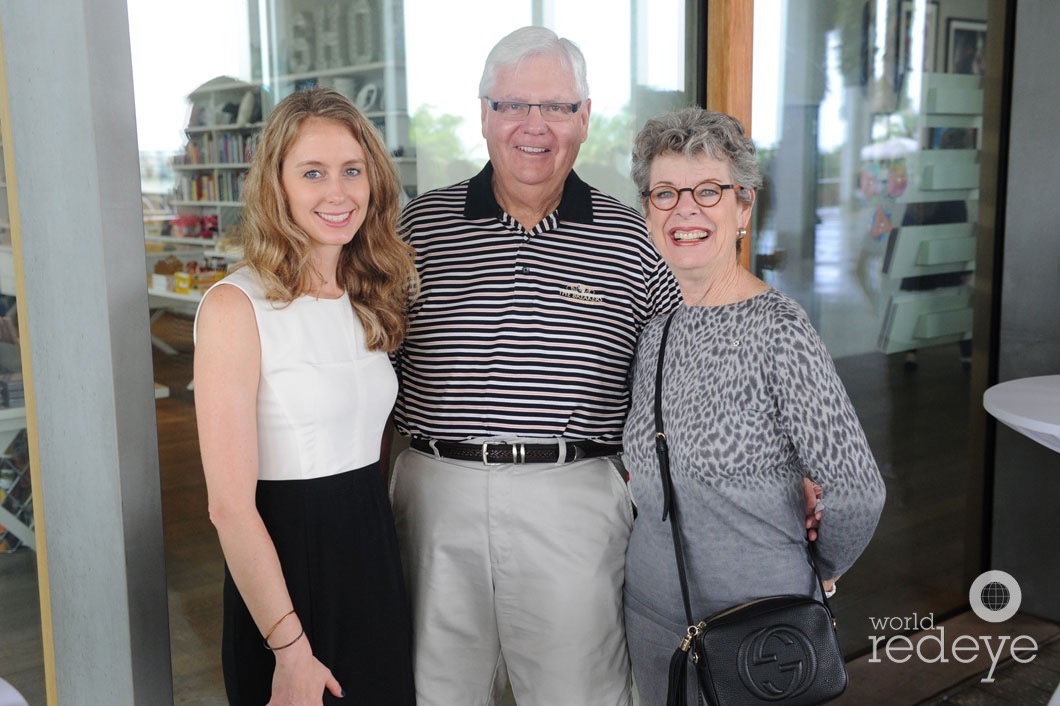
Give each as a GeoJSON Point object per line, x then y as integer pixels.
{"type": "Point", "coordinates": [965, 46]}
{"type": "Point", "coordinates": [905, 45]}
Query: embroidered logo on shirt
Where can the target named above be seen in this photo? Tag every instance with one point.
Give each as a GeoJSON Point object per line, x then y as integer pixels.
{"type": "Point", "coordinates": [581, 293]}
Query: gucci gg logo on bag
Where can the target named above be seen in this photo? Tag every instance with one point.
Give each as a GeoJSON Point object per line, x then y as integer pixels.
{"type": "Point", "coordinates": [780, 649]}
{"type": "Point", "coordinates": [777, 662]}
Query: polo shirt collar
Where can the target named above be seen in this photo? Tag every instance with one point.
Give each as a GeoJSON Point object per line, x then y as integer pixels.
{"type": "Point", "coordinates": [575, 205]}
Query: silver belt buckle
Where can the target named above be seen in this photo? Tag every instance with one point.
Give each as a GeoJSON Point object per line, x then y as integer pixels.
{"type": "Point", "coordinates": [518, 452]}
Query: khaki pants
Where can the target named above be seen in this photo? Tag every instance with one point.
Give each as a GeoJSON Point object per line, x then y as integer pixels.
{"type": "Point", "coordinates": [515, 572]}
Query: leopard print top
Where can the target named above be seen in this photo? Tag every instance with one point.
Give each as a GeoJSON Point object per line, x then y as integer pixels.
{"type": "Point", "coordinates": [752, 403]}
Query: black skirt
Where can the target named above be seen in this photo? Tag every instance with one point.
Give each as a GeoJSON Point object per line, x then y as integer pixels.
{"type": "Point", "coordinates": [338, 549]}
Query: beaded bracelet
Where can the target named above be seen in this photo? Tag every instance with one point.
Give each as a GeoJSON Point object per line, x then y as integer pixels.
{"type": "Point", "coordinates": [277, 624]}
{"type": "Point", "coordinates": [298, 637]}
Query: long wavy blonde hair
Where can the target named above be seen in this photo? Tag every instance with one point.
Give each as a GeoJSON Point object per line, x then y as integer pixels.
{"type": "Point", "coordinates": [376, 267]}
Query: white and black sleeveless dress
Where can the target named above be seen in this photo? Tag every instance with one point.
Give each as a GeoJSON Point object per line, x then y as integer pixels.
{"type": "Point", "coordinates": [323, 399]}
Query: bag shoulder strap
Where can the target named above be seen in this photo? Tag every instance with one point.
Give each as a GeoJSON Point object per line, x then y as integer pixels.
{"type": "Point", "coordinates": [662, 450]}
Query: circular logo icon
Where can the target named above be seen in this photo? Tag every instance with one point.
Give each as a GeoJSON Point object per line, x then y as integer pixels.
{"type": "Point", "coordinates": [995, 596]}
{"type": "Point", "coordinates": [777, 662]}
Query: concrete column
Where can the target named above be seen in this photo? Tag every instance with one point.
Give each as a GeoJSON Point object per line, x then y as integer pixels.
{"type": "Point", "coordinates": [77, 179]}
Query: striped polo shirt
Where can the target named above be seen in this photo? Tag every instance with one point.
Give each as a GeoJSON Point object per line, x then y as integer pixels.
{"type": "Point", "coordinates": [525, 333]}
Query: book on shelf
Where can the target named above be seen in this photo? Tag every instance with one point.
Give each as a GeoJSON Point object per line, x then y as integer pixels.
{"type": "Point", "coordinates": [12, 393]}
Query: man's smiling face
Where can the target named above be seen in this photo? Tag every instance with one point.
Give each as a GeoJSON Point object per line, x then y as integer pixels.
{"type": "Point", "coordinates": [533, 151]}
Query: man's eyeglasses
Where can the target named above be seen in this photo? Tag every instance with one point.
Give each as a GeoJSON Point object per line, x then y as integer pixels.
{"type": "Point", "coordinates": [513, 110]}
{"type": "Point", "coordinates": [707, 193]}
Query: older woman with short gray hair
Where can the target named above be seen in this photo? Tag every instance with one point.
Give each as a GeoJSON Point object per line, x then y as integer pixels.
{"type": "Point", "coordinates": [751, 404]}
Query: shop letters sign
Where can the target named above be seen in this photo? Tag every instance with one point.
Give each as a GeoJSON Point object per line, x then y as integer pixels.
{"type": "Point", "coordinates": [331, 35]}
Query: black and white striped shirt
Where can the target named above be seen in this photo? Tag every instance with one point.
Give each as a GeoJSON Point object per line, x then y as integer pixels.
{"type": "Point", "coordinates": [525, 333]}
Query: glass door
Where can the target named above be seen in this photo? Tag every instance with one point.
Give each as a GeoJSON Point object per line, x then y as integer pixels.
{"type": "Point", "coordinates": [868, 118]}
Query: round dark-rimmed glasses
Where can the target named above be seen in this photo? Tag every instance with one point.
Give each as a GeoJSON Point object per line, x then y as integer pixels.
{"type": "Point", "coordinates": [706, 193]}
{"type": "Point", "coordinates": [515, 110]}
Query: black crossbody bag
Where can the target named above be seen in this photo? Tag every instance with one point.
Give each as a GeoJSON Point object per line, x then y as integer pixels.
{"type": "Point", "coordinates": [774, 650]}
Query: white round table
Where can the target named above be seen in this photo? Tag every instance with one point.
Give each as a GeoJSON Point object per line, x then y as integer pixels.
{"type": "Point", "coordinates": [1031, 406]}
{"type": "Point", "coordinates": [10, 697]}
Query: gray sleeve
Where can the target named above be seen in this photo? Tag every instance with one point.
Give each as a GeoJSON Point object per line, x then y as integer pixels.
{"type": "Point", "coordinates": [820, 420]}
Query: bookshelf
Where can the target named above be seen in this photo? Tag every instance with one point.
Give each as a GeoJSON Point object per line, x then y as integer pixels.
{"type": "Point", "coordinates": [16, 497]}
{"type": "Point", "coordinates": [224, 123]}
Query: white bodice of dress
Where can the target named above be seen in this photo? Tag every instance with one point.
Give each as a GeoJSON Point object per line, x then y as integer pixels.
{"type": "Point", "coordinates": [323, 398]}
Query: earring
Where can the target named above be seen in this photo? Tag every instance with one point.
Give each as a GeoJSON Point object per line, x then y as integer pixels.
{"type": "Point", "coordinates": [741, 233]}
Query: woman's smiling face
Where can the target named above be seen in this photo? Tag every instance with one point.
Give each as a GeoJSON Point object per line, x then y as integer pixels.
{"type": "Point", "coordinates": [691, 237]}
{"type": "Point", "coordinates": [325, 178]}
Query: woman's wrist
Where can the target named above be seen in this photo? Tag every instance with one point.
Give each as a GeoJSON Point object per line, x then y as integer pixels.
{"type": "Point", "coordinates": [277, 624]}
{"type": "Point", "coordinates": [277, 648]}
{"type": "Point", "coordinates": [288, 632]}
{"type": "Point", "coordinates": [296, 652]}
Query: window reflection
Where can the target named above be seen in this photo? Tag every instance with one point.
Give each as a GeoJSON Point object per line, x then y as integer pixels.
{"type": "Point", "coordinates": [414, 67]}
{"type": "Point", "coordinates": [868, 117]}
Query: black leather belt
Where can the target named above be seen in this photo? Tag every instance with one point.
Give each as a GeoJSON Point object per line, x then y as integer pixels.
{"type": "Point", "coordinates": [495, 453]}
